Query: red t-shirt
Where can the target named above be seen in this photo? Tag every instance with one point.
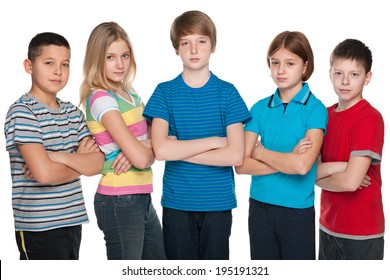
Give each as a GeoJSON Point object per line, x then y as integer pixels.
{"type": "Point", "coordinates": [358, 131]}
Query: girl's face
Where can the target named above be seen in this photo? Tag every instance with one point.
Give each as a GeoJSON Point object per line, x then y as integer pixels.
{"type": "Point", "coordinates": [117, 63]}
{"type": "Point", "coordinates": [287, 69]}
{"type": "Point", "coordinates": [348, 78]}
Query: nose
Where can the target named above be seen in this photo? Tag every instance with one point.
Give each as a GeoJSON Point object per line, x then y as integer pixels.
{"type": "Point", "coordinates": [281, 68]}
{"type": "Point", "coordinates": [345, 80]}
{"type": "Point", "coordinates": [119, 63]}
{"type": "Point", "coordinates": [194, 48]}
{"type": "Point", "coordinates": [58, 70]}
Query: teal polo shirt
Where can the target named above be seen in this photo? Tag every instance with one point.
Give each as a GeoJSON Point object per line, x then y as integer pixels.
{"type": "Point", "coordinates": [280, 128]}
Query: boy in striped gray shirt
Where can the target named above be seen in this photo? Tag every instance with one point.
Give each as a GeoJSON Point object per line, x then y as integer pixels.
{"type": "Point", "coordinates": [49, 148]}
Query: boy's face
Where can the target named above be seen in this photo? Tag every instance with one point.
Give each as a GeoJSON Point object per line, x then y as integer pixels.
{"type": "Point", "coordinates": [195, 51]}
{"type": "Point", "coordinates": [50, 70]}
{"type": "Point", "coordinates": [117, 62]}
{"type": "Point", "coordinates": [348, 78]}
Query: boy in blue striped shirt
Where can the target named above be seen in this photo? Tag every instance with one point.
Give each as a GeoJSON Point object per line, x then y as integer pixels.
{"type": "Point", "coordinates": [197, 128]}
{"type": "Point", "coordinates": [49, 147]}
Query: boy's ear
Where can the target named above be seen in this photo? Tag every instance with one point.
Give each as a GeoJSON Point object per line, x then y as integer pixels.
{"type": "Point", "coordinates": [27, 66]}
{"type": "Point", "coordinates": [368, 78]}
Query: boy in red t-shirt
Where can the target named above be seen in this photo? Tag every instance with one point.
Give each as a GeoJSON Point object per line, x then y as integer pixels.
{"type": "Point", "coordinates": [351, 214]}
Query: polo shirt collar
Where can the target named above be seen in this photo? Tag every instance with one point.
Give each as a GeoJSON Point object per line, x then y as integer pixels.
{"type": "Point", "coordinates": [301, 97]}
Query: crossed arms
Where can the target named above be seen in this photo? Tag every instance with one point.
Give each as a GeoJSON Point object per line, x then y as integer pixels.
{"type": "Point", "coordinates": [52, 168]}
{"type": "Point", "coordinates": [216, 151]}
{"type": "Point", "coordinates": [332, 176]}
{"type": "Point", "coordinates": [261, 161]}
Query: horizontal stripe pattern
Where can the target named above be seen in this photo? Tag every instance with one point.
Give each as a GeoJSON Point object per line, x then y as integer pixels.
{"type": "Point", "coordinates": [194, 113]}
{"type": "Point", "coordinates": [38, 207]}
{"type": "Point", "coordinates": [133, 181]}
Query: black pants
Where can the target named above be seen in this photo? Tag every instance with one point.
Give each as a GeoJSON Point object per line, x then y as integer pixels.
{"type": "Point", "coordinates": [196, 235]}
{"type": "Point", "coordinates": [281, 233]}
{"type": "Point", "coordinates": [337, 248]}
{"type": "Point", "coordinates": [56, 244]}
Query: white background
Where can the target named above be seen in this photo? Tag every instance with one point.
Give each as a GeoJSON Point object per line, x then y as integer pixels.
{"type": "Point", "coordinates": [244, 32]}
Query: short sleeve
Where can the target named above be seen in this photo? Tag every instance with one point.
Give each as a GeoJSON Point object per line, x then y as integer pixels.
{"type": "Point", "coordinates": [317, 116]}
{"type": "Point", "coordinates": [83, 128]}
{"type": "Point", "coordinates": [368, 137]}
{"type": "Point", "coordinates": [237, 110]}
{"type": "Point", "coordinates": [157, 106]}
{"type": "Point", "coordinates": [253, 124]}
{"type": "Point", "coordinates": [100, 103]}
{"type": "Point", "coordinates": [22, 127]}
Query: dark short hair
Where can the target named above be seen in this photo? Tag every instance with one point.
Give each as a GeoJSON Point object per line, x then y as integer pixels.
{"type": "Point", "coordinates": [44, 39]}
{"type": "Point", "coordinates": [353, 49]}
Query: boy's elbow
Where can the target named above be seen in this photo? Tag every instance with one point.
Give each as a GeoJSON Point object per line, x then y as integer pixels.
{"type": "Point", "coordinates": [237, 159]}
{"type": "Point", "coordinates": [160, 156]}
{"type": "Point", "coordinates": [160, 153]}
{"type": "Point", "coordinates": [238, 162]}
{"type": "Point", "coordinates": [43, 178]}
{"type": "Point", "coordinates": [351, 185]}
{"type": "Point", "coordinates": [239, 169]}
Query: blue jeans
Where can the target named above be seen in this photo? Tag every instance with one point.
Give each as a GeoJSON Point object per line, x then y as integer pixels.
{"type": "Point", "coordinates": [281, 233]}
{"type": "Point", "coordinates": [196, 235]}
{"type": "Point", "coordinates": [131, 227]}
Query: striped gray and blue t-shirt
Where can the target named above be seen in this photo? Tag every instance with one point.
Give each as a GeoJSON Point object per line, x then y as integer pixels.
{"type": "Point", "coordinates": [38, 207]}
{"type": "Point", "coordinates": [194, 113]}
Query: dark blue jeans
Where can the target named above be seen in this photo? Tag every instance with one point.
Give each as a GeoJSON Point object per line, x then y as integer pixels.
{"type": "Point", "coordinates": [337, 248]}
{"type": "Point", "coordinates": [196, 235]}
{"type": "Point", "coordinates": [281, 233]}
{"type": "Point", "coordinates": [131, 227]}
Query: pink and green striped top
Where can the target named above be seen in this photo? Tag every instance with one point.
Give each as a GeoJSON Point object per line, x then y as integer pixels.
{"type": "Point", "coordinates": [133, 181]}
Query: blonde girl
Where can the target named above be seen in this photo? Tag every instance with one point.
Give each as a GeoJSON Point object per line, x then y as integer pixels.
{"type": "Point", "coordinates": [123, 205]}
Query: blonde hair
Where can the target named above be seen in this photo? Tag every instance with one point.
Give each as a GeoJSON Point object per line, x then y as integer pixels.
{"type": "Point", "coordinates": [101, 37]}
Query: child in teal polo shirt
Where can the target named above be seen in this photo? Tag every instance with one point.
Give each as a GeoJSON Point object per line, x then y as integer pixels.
{"type": "Point", "coordinates": [283, 168]}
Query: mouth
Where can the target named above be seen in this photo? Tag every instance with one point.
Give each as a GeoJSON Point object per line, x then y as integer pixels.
{"type": "Point", "coordinates": [342, 90]}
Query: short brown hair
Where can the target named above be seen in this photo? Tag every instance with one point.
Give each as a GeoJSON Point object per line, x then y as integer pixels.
{"type": "Point", "coordinates": [193, 22]}
{"type": "Point", "coordinates": [297, 43]}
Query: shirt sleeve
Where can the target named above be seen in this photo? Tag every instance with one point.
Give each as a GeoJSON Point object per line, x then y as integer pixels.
{"type": "Point", "coordinates": [237, 110]}
{"type": "Point", "coordinates": [157, 106]}
{"type": "Point", "coordinates": [368, 138]}
{"type": "Point", "coordinates": [83, 129]}
{"type": "Point", "coordinates": [100, 103]}
{"type": "Point", "coordinates": [317, 117]}
{"type": "Point", "coordinates": [22, 127]}
{"type": "Point", "coordinates": [253, 124]}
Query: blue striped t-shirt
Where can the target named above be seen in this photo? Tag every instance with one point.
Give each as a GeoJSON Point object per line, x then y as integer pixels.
{"type": "Point", "coordinates": [194, 113]}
